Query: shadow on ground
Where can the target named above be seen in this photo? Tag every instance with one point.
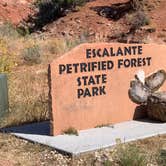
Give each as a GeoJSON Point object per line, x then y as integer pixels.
{"type": "Point", "coordinates": [42, 128]}
{"type": "Point", "coordinates": [115, 11]}
{"type": "Point", "coordinates": [141, 115]}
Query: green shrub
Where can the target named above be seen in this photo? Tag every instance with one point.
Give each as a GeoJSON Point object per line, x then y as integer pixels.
{"type": "Point", "coordinates": [138, 20]}
{"type": "Point", "coordinates": [130, 156]}
{"type": "Point", "coordinates": [23, 30]}
{"type": "Point", "coordinates": [137, 4]}
{"type": "Point", "coordinates": [6, 59]}
{"type": "Point", "coordinates": [31, 55]}
{"type": "Point", "coordinates": [71, 131]}
{"type": "Point", "coordinates": [108, 163]}
{"type": "Point", "coordinates": [9, 31]}
{"type": "Point", "coordinates": [50, 10]}
{"type": "Point", "coordinates": [162, 158]}
{"type": "Point", "coordinates": [104, 125]}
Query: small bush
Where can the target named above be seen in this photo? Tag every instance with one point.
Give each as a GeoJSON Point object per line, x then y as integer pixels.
{"type": "Point", "coordinates": [23, 30]}
{"type": "Point", "coordinates": [31, 55]}
{"type": "Point", "coordinates": [162, 158]}
{"type": "Point", "coordinates": [9, 31]}
{"type": "Point", "coordinates": [71, 131]}
{"type": "Point", "coordinates": [137, 4]}
{"type": "Point", "coordinates": [6, 59]}
{"type": "Point", "coordinates": [108, 163]}
{"type": "Point", "coordinates": [130, 156]}
{"type": "Point", "coordinates": [50, 10]}
{"type": "Point", "coordinates": [104, 125]}
{"type": "Point", "coordinates": [138, 20]}
{"type": "Point", "coordinates": [64, 45]}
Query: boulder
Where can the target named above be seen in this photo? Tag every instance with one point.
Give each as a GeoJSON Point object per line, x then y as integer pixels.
{"type": "Point", "coordinates": [138, 93]}
{"type": "Point", "coordinates": [155, 80]}
{"type": "Point", "coordinates": [143, 91]}
{"type": "Point", "coordinates": [156, 106]}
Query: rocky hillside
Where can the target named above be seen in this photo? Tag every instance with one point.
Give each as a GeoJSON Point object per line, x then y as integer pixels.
{"type": "Point", "coordinates": [15, 11]}
{"type": "Point", "coordinates": [87, 24]}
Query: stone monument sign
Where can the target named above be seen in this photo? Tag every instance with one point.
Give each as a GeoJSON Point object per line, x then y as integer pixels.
{"type": "Point", "coordinates": [89, 84]}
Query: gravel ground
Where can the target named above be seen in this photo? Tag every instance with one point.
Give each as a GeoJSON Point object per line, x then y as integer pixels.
{"type": "Point", "coordinates": [15, 151]}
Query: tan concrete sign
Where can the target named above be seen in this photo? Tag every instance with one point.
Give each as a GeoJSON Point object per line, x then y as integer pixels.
{"type": "Point", "coordinates": [89, 85]}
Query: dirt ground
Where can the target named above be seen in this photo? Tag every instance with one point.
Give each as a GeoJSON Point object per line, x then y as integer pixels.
{"type": "Point", "coordinates": [87, 23]}
{"type": "Point", "coordinates": [15, 151]}
{"type": "Point", "coordinates": [15, 11]}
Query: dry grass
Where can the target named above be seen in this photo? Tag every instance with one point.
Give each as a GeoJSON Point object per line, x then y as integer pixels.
{"type": "Point", "coordinates": [20, 152]}
{"type": "Point", "coordinates": [49, 47]}
{"type": "Point", "coordinates": [144, 152]}
{"type": "Point", "coordinates": [27, 76]}
{"type": "Point", "coordinates": [17, 152]}
{"type": "Point", "coordinates": [71, 131]}
{"type": "Point", "coordinates": [28, 97]}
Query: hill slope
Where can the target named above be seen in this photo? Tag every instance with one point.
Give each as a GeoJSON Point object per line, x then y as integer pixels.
{"type": "Point", "coordinates": [14, 11]}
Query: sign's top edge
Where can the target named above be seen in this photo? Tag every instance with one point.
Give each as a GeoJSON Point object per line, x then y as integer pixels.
{"type": "Point", "coordinates": [82, 45]}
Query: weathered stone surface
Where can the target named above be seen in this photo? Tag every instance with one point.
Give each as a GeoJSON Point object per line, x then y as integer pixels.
{"type": "Point", "coordinates": [155, 80]}
{"type": "Point", "coordinates": [138, 93]}
{"type": "Point", "coordinates": [156, 106]}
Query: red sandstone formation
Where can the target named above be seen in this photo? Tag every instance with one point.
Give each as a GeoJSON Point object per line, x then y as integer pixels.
{"type": "Point", "coordinates": [15, 11]}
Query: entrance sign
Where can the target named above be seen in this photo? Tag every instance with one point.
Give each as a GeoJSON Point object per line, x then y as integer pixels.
{"type": "Point", "coordinates": [89, 85]}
